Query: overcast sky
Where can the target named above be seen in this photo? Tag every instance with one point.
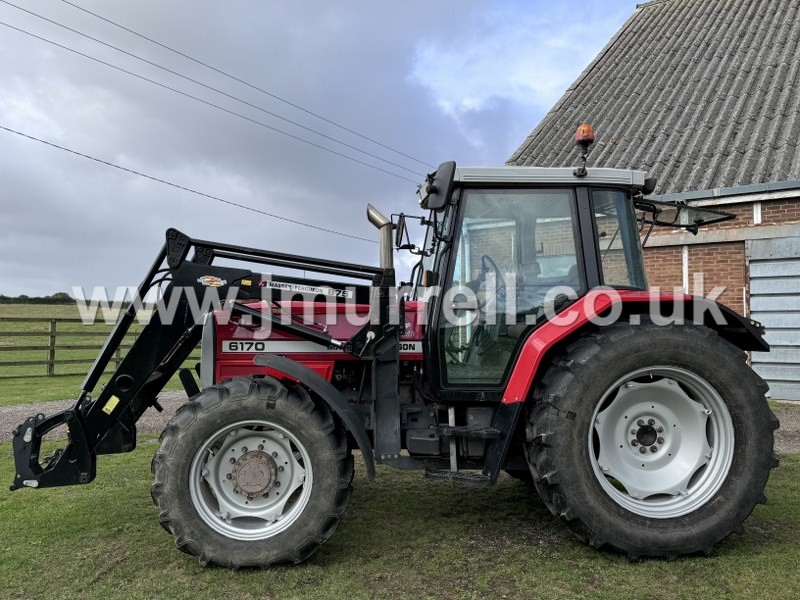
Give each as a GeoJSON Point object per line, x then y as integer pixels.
{"type": "Point", "coordinates": [461, 80]}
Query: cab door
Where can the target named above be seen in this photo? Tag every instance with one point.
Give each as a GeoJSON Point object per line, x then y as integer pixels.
{"type": "Point", "coordinates": [513, 250]}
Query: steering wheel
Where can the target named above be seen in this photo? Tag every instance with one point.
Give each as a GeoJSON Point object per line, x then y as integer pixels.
{"type": "Point", "coordinates": [487, 334]}
{"type": "Point", "coordinates": [484, 335]}
{"type": "Point", "coordinates": [500, 282]}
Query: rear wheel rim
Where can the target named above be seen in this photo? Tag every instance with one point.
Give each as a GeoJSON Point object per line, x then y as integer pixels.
{"type": "Point", "coordinates": [250, 480]}
{"type": "Point", "coordinates": [661, 442]}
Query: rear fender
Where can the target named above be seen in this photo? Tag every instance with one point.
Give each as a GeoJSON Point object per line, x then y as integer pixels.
{"type": "Point", "coordinates": [606, 306]}
{"type": "Point", "coordinates": [325, 390]}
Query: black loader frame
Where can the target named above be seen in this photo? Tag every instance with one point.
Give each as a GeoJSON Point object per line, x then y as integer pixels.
{"type": "Point", "coordinates": [106, 424]}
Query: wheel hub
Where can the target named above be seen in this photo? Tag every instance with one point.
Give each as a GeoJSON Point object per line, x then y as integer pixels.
{"type": "Point", "coordinates": [646, 435]}
{"type": "Point", "coordinates": [250, 480]}
{"type": "Point", "coordinates": [254, 474]}
{"type": "Point", "coordinates": [662, 442]}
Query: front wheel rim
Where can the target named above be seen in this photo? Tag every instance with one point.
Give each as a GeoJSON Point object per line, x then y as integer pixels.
{"type": "Point", "coordinates": [661, 442]}
{"type": "Point", "coordinates": [250, 480]}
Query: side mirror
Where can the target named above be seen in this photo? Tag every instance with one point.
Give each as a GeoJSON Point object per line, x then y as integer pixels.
{"type": "Point", "coordinates": [434, 193]}
{"type": "Point", "coordinates": [401, 232]}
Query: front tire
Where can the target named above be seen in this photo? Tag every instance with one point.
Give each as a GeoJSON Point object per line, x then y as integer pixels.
{"type": "Point", "coordinates": [252, 473]}
{"type": "Point", "coordinates": [654, 441]}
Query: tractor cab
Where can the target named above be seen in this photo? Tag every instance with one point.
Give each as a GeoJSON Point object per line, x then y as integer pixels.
{"type": "Point", "coordinates": [508, 248]}
{"type": "Point", "coordinates": [514, 244]}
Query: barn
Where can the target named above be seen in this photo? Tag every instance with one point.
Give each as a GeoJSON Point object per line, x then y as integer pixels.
{"type": "Point", "coordinates": [703, 95]}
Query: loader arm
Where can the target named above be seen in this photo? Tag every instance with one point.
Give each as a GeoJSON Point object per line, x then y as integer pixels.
{"type": "Point", "coordinates": [106, 423]}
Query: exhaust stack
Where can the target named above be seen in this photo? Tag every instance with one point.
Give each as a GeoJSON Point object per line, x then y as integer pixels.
{"type": "Point", "coordinates": [385, 227]}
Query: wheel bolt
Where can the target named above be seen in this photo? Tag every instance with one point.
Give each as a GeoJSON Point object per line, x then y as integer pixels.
{"type": "Point", "coordinates": [634, 442]}
{"type": "Point", "coordinates": [274, 455]}
{"type": "Point", "coordinates": [228, 476]}
{"type": "Point", "coordinates": [277, 484]}
{"type": "Point", "coordinates": [280, 469]}
{"type": "Point", "coordinates": [261, 446]}
{"type": "Point", "coordinates": [660, 429]}
{"type": "Point", "coordinates": [244, 448]}
{"type": "Point", "coordinates": [642, 449]}
{"type": "Point", "coordinates": [653, 448]}
{"type": "Point", "coordinates": [233, 461]}
{"type": "Point", "coordinates": [660, 440]}
{"type": "Point", "coordinates": [640, 423]}
{"type": "Point", "coordinates": [651, 422]}
{"type": "Point", "coordinates": [633, 432]}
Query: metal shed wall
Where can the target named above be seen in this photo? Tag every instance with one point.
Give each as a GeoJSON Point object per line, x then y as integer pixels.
{"type": "Point", "coordinates": [775, 302]}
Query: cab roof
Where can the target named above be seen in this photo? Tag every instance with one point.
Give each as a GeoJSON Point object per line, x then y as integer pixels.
{"type": "Point", "coordinates": [549, 175]}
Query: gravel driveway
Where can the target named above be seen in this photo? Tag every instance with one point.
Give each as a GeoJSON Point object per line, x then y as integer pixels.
{"type": "Point", "coordinates": [787, 438]}
{"type": "Point", "coordinates": [151, 421]}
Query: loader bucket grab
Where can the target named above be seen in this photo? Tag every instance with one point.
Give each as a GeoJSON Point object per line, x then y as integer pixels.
{"type": "Point", "coordinates": [67, 466]}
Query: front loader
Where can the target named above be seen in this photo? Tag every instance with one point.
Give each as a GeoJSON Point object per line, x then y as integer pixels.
{"type": "Point", "coordinates": [527, 342]}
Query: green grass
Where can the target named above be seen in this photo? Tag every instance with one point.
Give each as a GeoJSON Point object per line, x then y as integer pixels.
{"type": "Point", "coordinates": [402, 537]}
{"type": "Point", "coordinates": [22, 390]}
{"type": "Point", "coordinates": [784, 406]}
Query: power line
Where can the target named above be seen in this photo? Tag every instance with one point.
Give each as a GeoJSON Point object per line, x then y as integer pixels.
{"type": "Point", "coordinates": [206, 102]}
{"type": "Point", "coordinates": [184, 188]}
{"type": "Point", "coordinates": [247, 83]}
{"type": "Point", "coordinates": [209, 87]}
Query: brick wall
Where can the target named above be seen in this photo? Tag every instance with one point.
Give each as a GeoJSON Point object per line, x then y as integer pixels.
{"type": "Point", "coordinates": [743, 212]}
{"type": "Point", "coordinates": [721, 265]}
{"type": "Point", "coordinates": [664, 267]}
{"type": "Point", "coordinates": [780, 211]}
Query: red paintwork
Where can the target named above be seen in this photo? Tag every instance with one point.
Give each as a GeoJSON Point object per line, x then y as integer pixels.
{"type": "Point", "coordinates": [575, 317]}
{"type": "Point", "coordinates": [534, 348]}
{"type": "Point", "coordinates": [335, 316]}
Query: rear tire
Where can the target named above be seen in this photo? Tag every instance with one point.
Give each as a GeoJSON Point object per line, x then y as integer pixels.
{"type": "Point", "coordinates": [684, 396]}
{"type": "Point", "coordinates": [252, 473]}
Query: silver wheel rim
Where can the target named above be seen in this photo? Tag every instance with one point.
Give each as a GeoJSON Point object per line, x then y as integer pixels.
{"type": "Point", "coordinates": [662, 442]}
{"type": "Point", "coordinates": [251, 480]}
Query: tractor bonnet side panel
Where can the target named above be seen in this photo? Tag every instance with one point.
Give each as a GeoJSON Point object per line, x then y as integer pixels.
{"type": "Point", "coordinates": [237, 344]}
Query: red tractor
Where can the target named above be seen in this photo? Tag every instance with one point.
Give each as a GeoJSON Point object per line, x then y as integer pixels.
{"type": "Point", "coordinates": [526, 342]}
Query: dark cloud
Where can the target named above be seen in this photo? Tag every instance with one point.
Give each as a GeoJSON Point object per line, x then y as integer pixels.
{"type": "Point", "coordinates": [70, 222]}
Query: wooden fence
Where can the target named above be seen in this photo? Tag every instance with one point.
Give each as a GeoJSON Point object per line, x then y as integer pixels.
{"type": "Point", "coordinates": [55, 343]}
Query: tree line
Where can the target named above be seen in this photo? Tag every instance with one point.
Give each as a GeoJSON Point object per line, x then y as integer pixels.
{"type": "Point", "coordinates": [57, 298]}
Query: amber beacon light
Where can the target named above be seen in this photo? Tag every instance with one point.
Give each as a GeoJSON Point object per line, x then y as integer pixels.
{"type": "Point", "coordinates": [584, 137]}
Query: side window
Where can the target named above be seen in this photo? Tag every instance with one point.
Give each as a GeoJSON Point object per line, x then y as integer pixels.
{"type": "Point", "coordinates": [620, 247]}
{"type": "Point", "coordinates": [513, 247]}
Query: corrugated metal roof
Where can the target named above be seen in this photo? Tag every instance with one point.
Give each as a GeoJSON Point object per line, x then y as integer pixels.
{"type": "Point", "coordinates": [700, 93]}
